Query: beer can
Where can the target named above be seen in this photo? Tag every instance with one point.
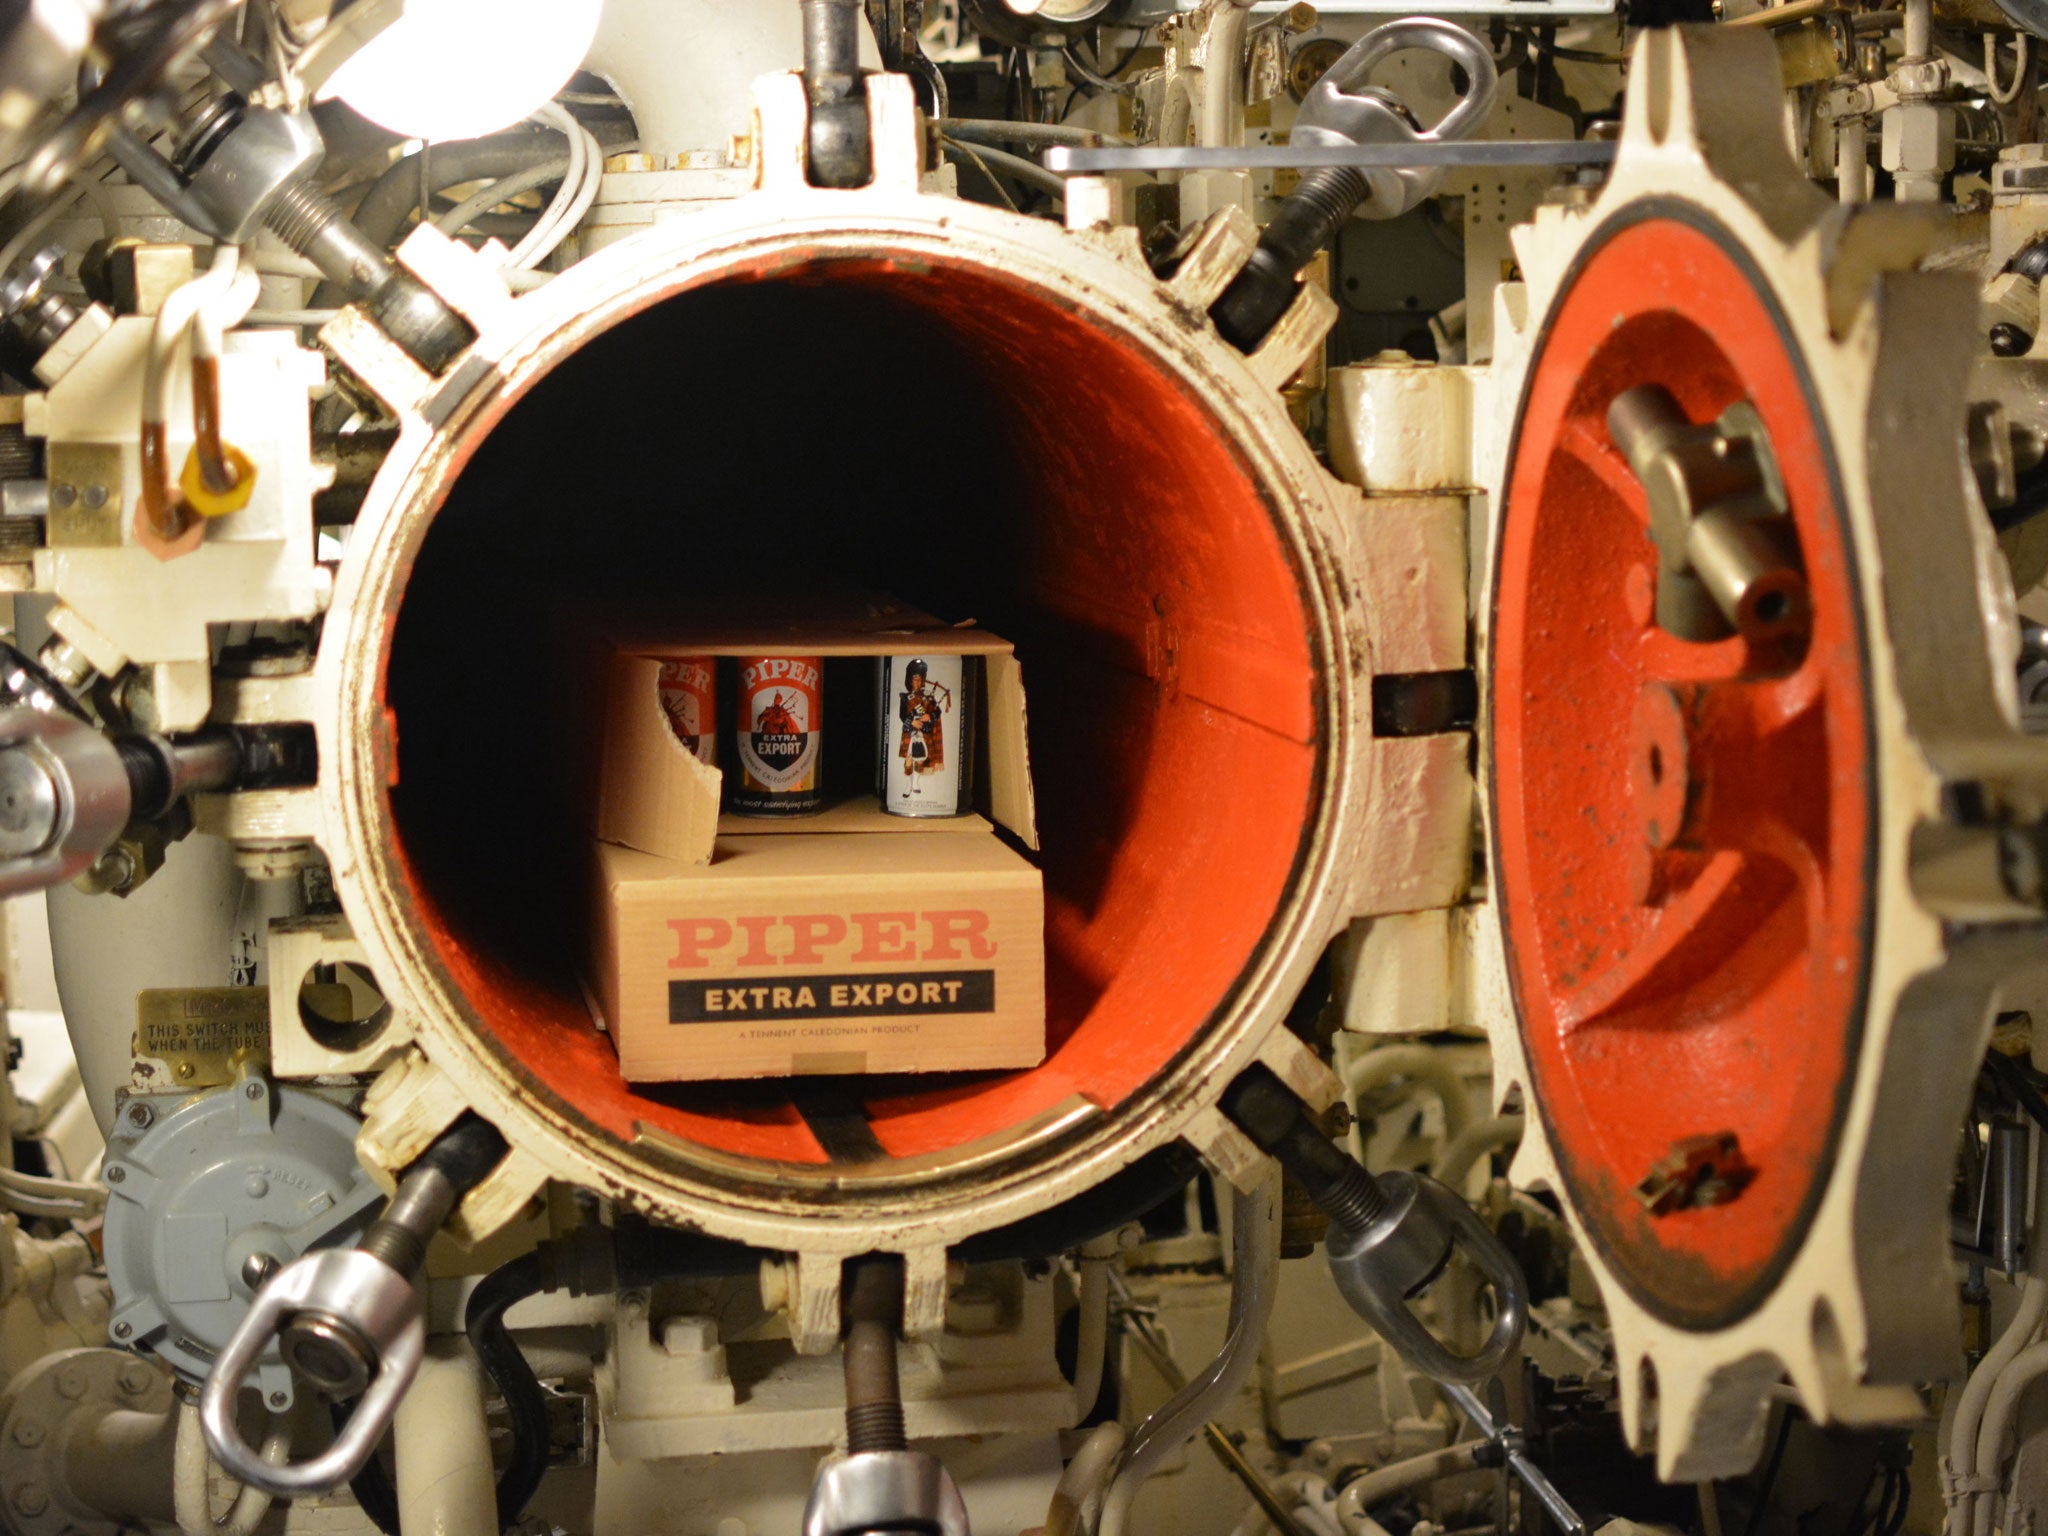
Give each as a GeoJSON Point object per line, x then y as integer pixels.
{"type": "Point", "coordinates": [689, 698]}
{"type": "Point", "coordinates": [927, 714]}
{"type": "Point", "coordinates": [778, 736]}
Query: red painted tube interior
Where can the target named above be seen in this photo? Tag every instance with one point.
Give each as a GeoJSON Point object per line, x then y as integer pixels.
{"type": "Point", "coordinates": [977, 449]}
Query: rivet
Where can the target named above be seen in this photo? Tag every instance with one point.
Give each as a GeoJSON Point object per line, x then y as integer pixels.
{"type": "Point", "coordinates": [62, 494]}
{"type": "Point", "coordinates": [95, 497]}
{"type": "Point", "coordinates": [30, 1499]}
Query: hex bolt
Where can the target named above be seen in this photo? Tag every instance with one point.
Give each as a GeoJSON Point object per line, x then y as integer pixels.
{"type": "Point", "coordinates": [71, 1382]}
{"type": "Point", "coordinates": [139, 1116]}
{"type": "Point", "coordinates": [872, 1302]}
{"type": "Point", "coordinates": [30, 1499]}
{"type": "Point", "coordinates": [135, 1378]}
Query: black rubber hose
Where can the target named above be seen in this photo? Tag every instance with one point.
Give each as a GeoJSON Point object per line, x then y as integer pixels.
{"type": "Point", "coordinates": [484, 1322]}
{"type": "Point", "coordinates": [589, 1261]}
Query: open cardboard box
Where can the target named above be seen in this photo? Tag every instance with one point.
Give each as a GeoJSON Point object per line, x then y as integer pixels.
{"type": "Point", "coordinates": [742, 947]}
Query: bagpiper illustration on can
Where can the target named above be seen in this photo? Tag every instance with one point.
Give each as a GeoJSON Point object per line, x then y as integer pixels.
{"type": "Point", "coordinates": [778, 736]}
{"type": "Point", "coordinates": [926, 707]}
{"type": "Point", "coordinates": [689, 697]}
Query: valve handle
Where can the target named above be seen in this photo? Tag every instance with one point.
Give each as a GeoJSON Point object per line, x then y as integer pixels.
{"type": "Point", "coordinates": [360, 1293]}
{"type": "Point", "coordinates": [1402, 1251]}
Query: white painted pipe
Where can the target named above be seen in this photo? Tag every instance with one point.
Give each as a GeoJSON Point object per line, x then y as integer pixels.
{"type": "Point", "coordinates": [445, 1483]}
{"type": "Point", "coordinates": [1222, 122]}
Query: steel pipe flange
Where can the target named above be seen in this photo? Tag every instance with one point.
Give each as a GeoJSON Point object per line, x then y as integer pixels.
{"type": "Point", "coordinates": [1707, 913]}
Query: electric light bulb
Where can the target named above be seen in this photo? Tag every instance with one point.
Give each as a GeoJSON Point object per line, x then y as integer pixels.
{"type": "Point", "coordinates": [457, 69]}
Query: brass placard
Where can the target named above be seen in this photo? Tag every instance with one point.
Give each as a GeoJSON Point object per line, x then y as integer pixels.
{"type": "Point", "coordinates": [202, 1033]}
{"type": "Point", "coordinates": [86, 495]}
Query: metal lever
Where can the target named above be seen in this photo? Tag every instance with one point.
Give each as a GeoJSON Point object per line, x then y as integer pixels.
{"type": "Point", "coordinates": [1509, 1439]}
{"type": "Point", "coordinates": [1392, 1235]}
{"type": "Point", "coordinates": [348, 1320]}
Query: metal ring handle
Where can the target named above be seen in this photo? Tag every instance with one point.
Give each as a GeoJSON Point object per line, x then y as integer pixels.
{"type": "Point", "coordinates": [1461, 47]}
{"type": "Point", "coordinates": [1406, 1247]}
{"type": "Point", "coordinates": [344, 1282]}
{"type": "Point", "coordinates": [885, 1490]}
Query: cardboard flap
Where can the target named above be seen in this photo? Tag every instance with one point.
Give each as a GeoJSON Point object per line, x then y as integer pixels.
{"type": "Point", "coordinates": [657, 796]}
{"type": "Point", "coordinates": [1012, 801]}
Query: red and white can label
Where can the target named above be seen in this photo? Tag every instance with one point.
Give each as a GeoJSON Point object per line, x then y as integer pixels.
{"type": "Point", "coordinates": [778, 724]}
{"type": "Point", "coordinates": [689, 698]}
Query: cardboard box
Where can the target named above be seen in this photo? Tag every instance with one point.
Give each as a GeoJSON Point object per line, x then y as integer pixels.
{"type": "Point", "coordinates": [845, 942]}
{"type": "Point", "coordinates": [653, 795]}
{"type": "Point", "coordinates": [822, 952]}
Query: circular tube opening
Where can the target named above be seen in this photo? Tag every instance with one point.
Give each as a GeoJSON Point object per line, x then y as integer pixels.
{"type": "Point", "coordinates": [981, 449]}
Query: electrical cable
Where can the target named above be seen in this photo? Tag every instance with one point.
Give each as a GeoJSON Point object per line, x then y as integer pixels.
{"type": "Point", "coordinates": [192, 1499]}
{"type": "Point", "coordinates": [1769, 1479]}
{"type": "Point", "coordinates": [371, 1487]}
{"type": "Point", "coordinates": [572, 199]}
{"type": "Point", "coordinates": [503, 190]}
{"type": "Point", "coordinates": [2005, 96]}
{"type": "Point", "coordinates": [1029, 172]}
{"type": "Point", "coordinates": [30, 1194]}
{"type": "Point", "coordinates": [1255, 1246]}
{"type": "Point", "coordinates": [968, 153]}
{"type": "Point", "coordinates": [484, 1322]}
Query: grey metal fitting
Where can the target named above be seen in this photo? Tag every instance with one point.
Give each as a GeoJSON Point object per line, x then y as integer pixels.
{"type": "Point", "coordinates": [64, 798]}
{"type": "Point", "coordinates": [1728, 561]}
{"type": "Point", "coordinates": [38, 314]}
{"type": "Point", "coordinates": [41, 45]}
{"type": "Point", "coordinates": [885, 1491]}
{"type": "Point", "coordinates": [234, 175]}
{"type": "Point", "coordinates": [1391, 1259]}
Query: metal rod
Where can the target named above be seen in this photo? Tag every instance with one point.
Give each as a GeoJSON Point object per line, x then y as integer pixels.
{"type": "Point", "coordinates": [1262, 1492]}
{"type": "Point", "coordinates": [1064, 161]}
{"type": "Point", "coordinates": [1541, 1488]}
